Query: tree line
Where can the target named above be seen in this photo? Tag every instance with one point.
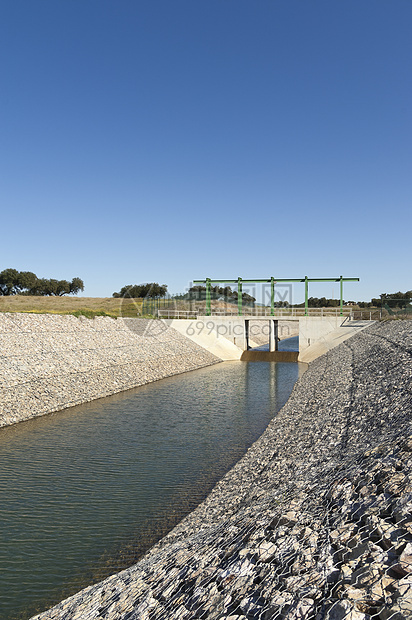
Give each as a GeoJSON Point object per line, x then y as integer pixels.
{"type": "Point", "coordinates": [134, 291]}
{"type": "Point", "coordinates": [320, 302]}
{"type": "Point", "coordinates": [153, 289]}
{"type": "Point", "coordinates": [222, 293]}
{"type": "Point", "coordinates": [13, 282]}
{"type": "Point", "coordinates": [393, 300]}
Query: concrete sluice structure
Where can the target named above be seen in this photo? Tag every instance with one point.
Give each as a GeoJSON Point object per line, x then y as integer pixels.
{"type": "Point", "coordinates": [229, 337]}
{"type": "Point", "coordinates": [314, 522]}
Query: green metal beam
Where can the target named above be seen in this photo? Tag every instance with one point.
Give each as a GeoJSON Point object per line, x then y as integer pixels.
{"type": "Point", "coordinates": [272, 280]}
{"type": "Point", "coordinates": [208, 297]}
{"type": "Point", "coordinates": [215, 281]}
{"type": "Point", "coordinates": [272, 296]}
{"type": "Point", "coordinates": [331, 279]}
{"type": "Point", "coordinates": [278, 280]}
{"type": "Point", "coordinates": [232, 281]}
{"type": "Point", "coordinates": [306, 295]}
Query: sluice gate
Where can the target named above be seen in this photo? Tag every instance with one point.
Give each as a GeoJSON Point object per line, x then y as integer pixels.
{"type": "Point", "coordinates": [269, 356]}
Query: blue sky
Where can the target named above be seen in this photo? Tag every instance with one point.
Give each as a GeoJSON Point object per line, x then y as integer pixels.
{"type": "Point", "coordinates": [160, 140]}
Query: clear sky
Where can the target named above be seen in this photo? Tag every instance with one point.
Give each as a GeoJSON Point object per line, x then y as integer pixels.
{"type": "Point", "coordinates": [170, 140]}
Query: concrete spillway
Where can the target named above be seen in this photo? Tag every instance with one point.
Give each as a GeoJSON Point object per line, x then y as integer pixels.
{"type": "Point", "coordinates": [269, 356]}
{"type": "Point", "coordinates": [229, 337]}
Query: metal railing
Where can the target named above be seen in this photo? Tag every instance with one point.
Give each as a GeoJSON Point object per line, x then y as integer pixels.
{"type": "Point", "coordinates": [350, 314]}
{"type": "Point", "coordinates": [367, 315]}
{"type": "Point", "coordinates": [283, 313]}
{"type": "Point", "coordinates": [177, 314]}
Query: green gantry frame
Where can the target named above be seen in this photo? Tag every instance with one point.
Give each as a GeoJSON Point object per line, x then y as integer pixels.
{"type": "Point", "coordinates": [272, 280]}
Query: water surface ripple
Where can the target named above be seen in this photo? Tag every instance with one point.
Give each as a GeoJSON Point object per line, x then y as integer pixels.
{"type": "Point", "coordinates": [84, 492]}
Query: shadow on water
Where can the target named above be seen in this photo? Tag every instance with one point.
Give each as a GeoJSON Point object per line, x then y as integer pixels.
{"type": "Point", "coordinates": [86, 491]}
{"type": "Point", "coordinates": [288, 344]}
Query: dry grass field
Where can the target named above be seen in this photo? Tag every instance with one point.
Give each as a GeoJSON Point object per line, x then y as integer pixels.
{"type": "Point", "coordinates": [86, 306]}
{"type": "Point", "coordinates": [95, 306]}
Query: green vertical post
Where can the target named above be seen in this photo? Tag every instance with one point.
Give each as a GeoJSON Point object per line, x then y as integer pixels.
{"type": "Point", "coordinates": [306, 295]}
{"type": "Point", "coordinates": [341, 296]}
{"type": "Point", "coordinates": [239, 296]}
{"type": "Point", "coordinates": [208, 297]}
{"type": "Point", "coordinates": [272, 296]}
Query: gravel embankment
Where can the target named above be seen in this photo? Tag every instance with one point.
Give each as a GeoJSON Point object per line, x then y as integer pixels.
{"type": "Point", "coordinates": [314, 522]}
{"type": "Point", "coordinates": [50, 362]}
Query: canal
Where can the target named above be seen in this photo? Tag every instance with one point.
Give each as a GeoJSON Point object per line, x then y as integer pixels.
{"type": "Point", "coordinates": [86, 491]}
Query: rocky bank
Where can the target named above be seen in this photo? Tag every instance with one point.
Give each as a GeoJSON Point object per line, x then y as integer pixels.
{"type": "Point", "coordinates": [314, 522]}
{"type": "Point", "coordinates": [50, 362]}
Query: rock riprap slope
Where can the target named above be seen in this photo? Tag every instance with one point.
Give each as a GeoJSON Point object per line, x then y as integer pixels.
{"type": "Point", "coordinates": [50, 362]}
{"type": "Point", "coordinates": [314, 522]}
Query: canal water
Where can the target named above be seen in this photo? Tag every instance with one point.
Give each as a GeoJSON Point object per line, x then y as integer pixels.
{"type": "Point", "coordinates": [84, 492]}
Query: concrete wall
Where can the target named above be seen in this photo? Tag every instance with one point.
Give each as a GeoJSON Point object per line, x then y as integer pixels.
{"type": "Point", "coordinates": [318, 335]}
{"type": "Point", "coordinates": [314, 329]}
{"type": "Point", "coordinates": [51, 362]}
{"type": "Point", "coordinates": [222, 337]}
{"type": "Point", "coordinates": [206, 336]}
{"type": "Point", "coordinates": [225, 336]}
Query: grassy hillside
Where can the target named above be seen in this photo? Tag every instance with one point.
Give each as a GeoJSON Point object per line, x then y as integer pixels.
{"type": "Point", "coordinates": [94, 306]}
{"type": "Point", "coordinates": [87, 306]}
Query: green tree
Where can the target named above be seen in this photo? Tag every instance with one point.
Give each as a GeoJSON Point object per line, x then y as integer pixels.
{"type": "Point", "coordinates": [246, 298]}
{"type": "Point", "coordinates": [13, 282]}
{"type": "Point", "coordinates": [26, 280]}
{"type": "Point", "coordinates": [394, 300]}
{"type": "Point", "coordinates": [39, 287]}
{"type": "Point", "coordinates": [149, 290]}
{"type": "Point", "coordinates": [57, 288]}
{"type": "Point", "coordinates": [197, 292]}
{"type": "Point", "coordinates": [9, 282]}
{"type": "Point", "coordinates": [76, 285]}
